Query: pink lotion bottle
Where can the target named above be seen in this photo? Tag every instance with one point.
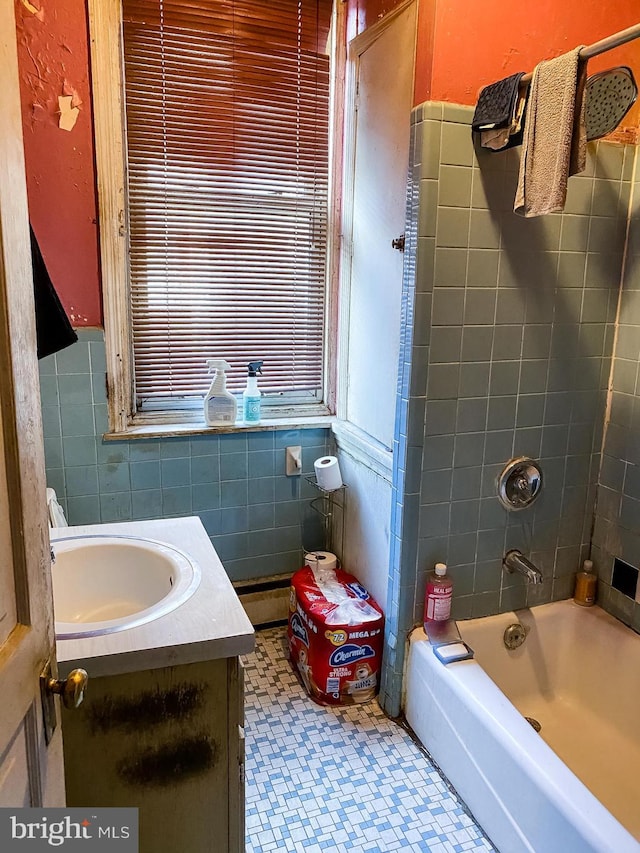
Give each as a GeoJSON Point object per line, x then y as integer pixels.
{"type": "Point", "coordinates": [437, 601]}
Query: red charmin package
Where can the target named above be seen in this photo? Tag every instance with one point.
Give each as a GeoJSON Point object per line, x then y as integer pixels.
{"type": "Point", "coordinates": [335, 636]}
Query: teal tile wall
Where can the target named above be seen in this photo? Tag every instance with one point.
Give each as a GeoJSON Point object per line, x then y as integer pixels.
{"type": "Point", "coordinates": [406, 458]}
{"type": "Point", "coordinates": [259, 520]}
{"type": "Point", "coordinates": [617, 526]}
{"type": "Point", "coordinates": [506, 351]}
{"type": "Point", "coordinates": [521, 333]}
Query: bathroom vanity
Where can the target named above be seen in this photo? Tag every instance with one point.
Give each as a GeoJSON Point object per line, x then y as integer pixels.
{"type": "Point", "coordinates": [161, 725]}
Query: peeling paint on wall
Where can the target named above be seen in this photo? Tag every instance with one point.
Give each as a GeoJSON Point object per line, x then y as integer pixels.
{"type": "Point", "coordinates": [44, 81]}
{"type": "Point", "coordinates": [54, 62]}
{"type": "Point", "coordinates": [78, 319]}
{"type": "Point", "coordinates": [47, 76]}
{"type": "Point", "coordinates": [38, 13]}
{"type": "Point", "coordinates": [68, 89]}
{"type": "Point", "coordinates": [68, 114]}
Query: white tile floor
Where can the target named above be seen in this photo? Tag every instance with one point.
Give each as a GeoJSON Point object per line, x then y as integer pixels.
{"type": "Point", "coordinates": [334, 779]}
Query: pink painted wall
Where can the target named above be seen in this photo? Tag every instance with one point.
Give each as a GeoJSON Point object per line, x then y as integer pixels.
{"type": "Point", "coordinates": [54, 60]}
{"type": "Point", "coordinates": [462, 46]}
{"type": "Point", "coordinates": [477, 43]}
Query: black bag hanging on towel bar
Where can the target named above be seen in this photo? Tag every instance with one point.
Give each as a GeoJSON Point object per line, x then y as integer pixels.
{"type": "Point", "coordinates": [53, 329]}
{"type": "Point", "coordinates": [496, 104]}
{"type": "Point", "coordinates": [499, 114]}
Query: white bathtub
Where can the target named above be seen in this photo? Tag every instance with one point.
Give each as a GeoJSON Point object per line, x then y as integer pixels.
{"type": "Point", "coordinates": [573, 788]}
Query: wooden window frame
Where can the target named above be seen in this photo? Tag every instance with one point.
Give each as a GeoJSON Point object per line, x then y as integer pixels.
{"type": "Point", "coordinates": [105, 28]}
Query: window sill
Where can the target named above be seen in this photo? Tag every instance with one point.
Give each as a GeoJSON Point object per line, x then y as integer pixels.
{"type": "Point", "coordinates": [364, 448]}
{"type": "Point", "coordinates": [177, 430]}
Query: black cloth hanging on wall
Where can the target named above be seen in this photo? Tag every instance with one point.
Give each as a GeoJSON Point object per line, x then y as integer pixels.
{"type": "Point", "coordinates": [53, 329]}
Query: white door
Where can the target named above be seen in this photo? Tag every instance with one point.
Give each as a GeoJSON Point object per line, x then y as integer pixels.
{"type": "Point", "coordinates": [382, 62]}
{"type": "Point", "coordinates": [31, 773]}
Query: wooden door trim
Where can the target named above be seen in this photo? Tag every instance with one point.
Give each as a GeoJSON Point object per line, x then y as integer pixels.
{"type": "Point", "coordinates": [357, 46]}
{"type": "Point", "coordinates": [367, 37]}
{"type": "Point", "coordinates": [32, 639]}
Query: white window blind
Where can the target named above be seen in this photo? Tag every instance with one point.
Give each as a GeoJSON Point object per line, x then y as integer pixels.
{"type": "Point", "coordinates": [227, 159]}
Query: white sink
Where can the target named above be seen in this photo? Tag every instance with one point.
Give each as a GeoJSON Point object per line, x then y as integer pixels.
{"type": "Point", "coordinates": [103, 584]}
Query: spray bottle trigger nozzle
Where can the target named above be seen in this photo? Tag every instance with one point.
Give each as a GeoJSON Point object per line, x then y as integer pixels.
{"type": "Point", "coordinates": [217, 364]}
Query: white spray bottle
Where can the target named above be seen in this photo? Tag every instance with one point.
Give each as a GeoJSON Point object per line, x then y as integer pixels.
{"type": "Point", "coordinates": [251, 394]}
{"type": "Point", "coordinates": [220, 406]}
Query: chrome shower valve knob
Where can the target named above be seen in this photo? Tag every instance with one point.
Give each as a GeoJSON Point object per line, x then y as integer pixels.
{"type": "Point", "coordinates": [520, 483]}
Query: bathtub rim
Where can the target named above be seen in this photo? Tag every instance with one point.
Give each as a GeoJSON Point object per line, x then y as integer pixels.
{"type": "Point", "coordinates": [479, 695]}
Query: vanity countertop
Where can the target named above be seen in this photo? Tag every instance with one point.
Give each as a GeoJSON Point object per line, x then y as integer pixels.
{"type": "Point", "coordinates": [211, 624]}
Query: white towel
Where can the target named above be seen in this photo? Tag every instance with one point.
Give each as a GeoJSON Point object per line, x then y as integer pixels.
{"type": "Point", "coordinates": [56, 514]}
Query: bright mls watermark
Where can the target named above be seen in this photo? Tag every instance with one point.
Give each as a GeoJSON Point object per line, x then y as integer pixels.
{"type": "Point", "coordinates": [87, 829]}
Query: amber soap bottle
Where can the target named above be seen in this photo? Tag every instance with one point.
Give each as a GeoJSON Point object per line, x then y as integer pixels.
{"type": "Point", "coordinates": [586, 582]}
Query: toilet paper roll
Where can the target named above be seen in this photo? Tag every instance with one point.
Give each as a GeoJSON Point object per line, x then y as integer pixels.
{"type": "Point", "coordinates": [328, 474]}
{"type": "Point", "coordinates": [321, 559]}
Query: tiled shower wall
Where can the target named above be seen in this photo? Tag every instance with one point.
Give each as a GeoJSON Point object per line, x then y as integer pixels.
{"type": "Point", "coordinates": [407, 461]}
{"type": "Point", "coordinates": [520, 340]}
{"type": "Point", "coordinates": [509, 355]}
{"type": "Point", "coordinates": [617, 527]}
{"type": "Point", "coordinates": [258, 518]}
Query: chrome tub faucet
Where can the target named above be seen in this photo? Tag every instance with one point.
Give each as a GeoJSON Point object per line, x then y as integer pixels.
{"type": "Point", "coordinates": [515, 561]}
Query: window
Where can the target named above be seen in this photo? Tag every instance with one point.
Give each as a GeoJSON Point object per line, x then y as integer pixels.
{"type": "Point", "coordinates": [220, 225]}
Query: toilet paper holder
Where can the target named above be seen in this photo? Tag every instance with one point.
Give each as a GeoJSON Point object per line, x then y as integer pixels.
{"type": "Point", "coordinates": [324, 493]}
{"type": "Point", "coordinates": [325, 505]}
